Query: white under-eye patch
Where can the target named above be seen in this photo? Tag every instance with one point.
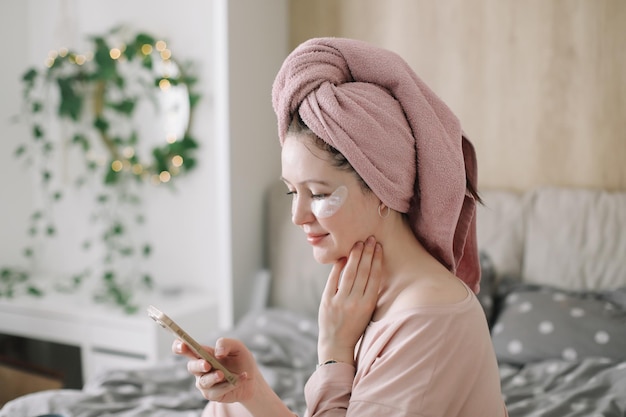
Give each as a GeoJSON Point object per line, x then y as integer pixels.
{"type": "Point", "coordinates": [328, 206]}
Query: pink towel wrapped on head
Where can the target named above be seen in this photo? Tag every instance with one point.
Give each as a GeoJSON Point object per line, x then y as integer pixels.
{"type": "Point", "coordinates": [404, 142]}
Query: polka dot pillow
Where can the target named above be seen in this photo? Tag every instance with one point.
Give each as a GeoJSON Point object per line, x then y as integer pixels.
{"type": "Point", "coordinates": [537, 323]}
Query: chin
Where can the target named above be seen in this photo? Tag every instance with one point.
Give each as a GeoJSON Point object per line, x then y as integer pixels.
{"type": "Point", "coordinates": [321, 257]}
{"type": "Point", "coordinates": [325, 257]}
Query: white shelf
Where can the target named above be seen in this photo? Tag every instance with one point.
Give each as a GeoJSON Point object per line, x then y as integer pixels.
{"type": "Point", "coordinates": [107, 337]}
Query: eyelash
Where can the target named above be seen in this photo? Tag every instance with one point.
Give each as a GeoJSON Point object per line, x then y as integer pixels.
{"type": "Point", "coordinates": [313, 196]}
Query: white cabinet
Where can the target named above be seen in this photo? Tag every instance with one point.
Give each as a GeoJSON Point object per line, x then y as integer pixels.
{"type": "Point", "coordinates": [108, 338]}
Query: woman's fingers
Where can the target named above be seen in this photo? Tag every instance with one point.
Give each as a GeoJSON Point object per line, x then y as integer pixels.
{"type": "Point", "coordinates": [350, 270]}
{"type": "Point", "coordinates": [373, 283]}
{"type": "Point", "coordinates": [364, 268]}
{"type": "Point", "coordinates": [198, 366]}
{"type": "Point", "coordinates": [358, 272]}
{"type": "Point", "coordinates": [195, 365]}
{"type": "Point", "coordinates": [332, 284]}
{"type": "Point", "coordinates": [180, 348]}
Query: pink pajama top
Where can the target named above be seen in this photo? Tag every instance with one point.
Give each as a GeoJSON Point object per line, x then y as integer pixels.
{"type": "Point", "coordinates": [432, 361]}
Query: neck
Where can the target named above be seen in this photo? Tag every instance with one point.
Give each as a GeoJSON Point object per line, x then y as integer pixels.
{"type": "Point", "coordinates": [405, 261]}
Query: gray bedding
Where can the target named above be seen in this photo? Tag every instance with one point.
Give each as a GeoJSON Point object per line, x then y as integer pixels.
{"type": "Point", "coordinates": [561, 353]}
{"type": "Point", "coordinates": [285, 346]}
{"type": "Point", "coordinates": [591, 387]}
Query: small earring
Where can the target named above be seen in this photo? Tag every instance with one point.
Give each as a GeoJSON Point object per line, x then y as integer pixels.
{"type": "Point", "coordinates": [380, 211]}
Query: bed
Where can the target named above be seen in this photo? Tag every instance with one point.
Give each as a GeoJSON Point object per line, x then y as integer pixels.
{"type": "Point", "coordinates": [553, 291]}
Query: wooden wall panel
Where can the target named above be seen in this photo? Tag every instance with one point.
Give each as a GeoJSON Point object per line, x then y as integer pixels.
{"type": "Point", "coordinates": [539, 85]}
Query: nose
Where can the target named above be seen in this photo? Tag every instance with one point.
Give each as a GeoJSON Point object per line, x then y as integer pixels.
{"type": "Point", "coordinates": [301, 211]}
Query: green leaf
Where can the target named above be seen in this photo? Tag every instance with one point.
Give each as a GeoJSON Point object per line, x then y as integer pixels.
{"type": "Point", "coordinates": [131, 51]}
{"type": "Point", "coordinates": [37, 132]}
{"type": "Point", "coordinates": [29, 76]}
{"type": "Point", "coordinates": [190, 163]}
{"type": "Point", "coordinates": [130, 309]}
{"type": "Point", "coordinates": [148, 281]}
{"type": "Point", "coordinates": [147, 62]}
{"type": "Point", "coordinates": [188, 142]}
{"type": "Point", "coordinates": [80, 139]}
{"type": "Point", "coordinates": [120, 82]}
{"type": "Point", "coordinates": [118, 229]}
{"type": "Point", "coordinates": [111, 177]}
{"type": "Point", "coordinates": [71, 102]}
{"type": "Point", "coordinates": [22, 276]}
{"type": "Point", "coordinates": [189, 80]}
{"type": "Point", "coordinates": [147, 250]}
{"type": "Point", "coordinates": [47, 147]}
{"type": "Point", "coordinates": [34, 291]}
{"type": "Point", "coordinates": [101, 124]}
{"type": "Point", "coordinates": [51, 230]}
{"type": "Point", "coordinates": [143, 38]}
{"type": "Point", "coordinates": [134, 138]}
{"type": "Point", "coordinates": [194, 98]}
{"type": "Point", "coordinates": [126, 251]}
{"type": "Point", "coordinates": [105, 65]}
{"type": "Point", "coordinates": [125, 106]}
{"type": "Point", "coordinates": [77, 279]}
{"type": "Point", "coordinates": [20, 150]}
{"type": "Point", "coordinates": [36, 107]}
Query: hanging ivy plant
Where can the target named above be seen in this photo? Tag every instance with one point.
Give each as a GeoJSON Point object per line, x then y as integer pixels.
{"type": "Point", "coordinates": [95, 103]}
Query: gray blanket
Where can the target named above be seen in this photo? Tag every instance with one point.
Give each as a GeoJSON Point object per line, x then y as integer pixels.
{"type": "Point", "coordinates": [591, 387]}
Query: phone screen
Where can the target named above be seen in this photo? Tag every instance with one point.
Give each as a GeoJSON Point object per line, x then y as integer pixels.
{"type": "Point", "coordinates": [164, 321]}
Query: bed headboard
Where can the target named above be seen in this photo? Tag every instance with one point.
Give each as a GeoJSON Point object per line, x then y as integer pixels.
{"type": "Point", "coordinates": [572, 238]}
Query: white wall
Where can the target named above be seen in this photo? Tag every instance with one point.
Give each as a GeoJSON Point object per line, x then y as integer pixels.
{"type": "Point", "coordinates": [258, 43]}
{"type": "Point", "coordinates": [14, 202]}
{"type": "Point", "coordinates": [208, 233]}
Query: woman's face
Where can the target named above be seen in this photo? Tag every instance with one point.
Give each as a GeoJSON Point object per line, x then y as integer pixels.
{"type": "Point", "coordinates": [310, 176]}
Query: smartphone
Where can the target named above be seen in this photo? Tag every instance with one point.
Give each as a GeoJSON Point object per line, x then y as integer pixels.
{"type": "Point", "coordinates": [164, 321]}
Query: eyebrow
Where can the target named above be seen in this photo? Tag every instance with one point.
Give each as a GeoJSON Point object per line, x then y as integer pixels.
{"type": "Point", "coordinates": [307, 182]}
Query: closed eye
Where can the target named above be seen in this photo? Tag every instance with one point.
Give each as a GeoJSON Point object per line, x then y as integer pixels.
{"type": "Point", "coordinates": [313, 196]}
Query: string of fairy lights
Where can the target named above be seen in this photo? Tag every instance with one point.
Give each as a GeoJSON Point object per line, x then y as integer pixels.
{"type": "Point", "coordinates": [126, 160]}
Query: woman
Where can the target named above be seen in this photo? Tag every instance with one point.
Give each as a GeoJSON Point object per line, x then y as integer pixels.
{"type": "Point", "coordinates": [383, 185]}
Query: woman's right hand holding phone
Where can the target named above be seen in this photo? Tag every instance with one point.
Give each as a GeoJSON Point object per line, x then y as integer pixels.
{"type": "Point", "coordinates": [234, 355]}
{"type": "Point", "coordinates": [251, 389]}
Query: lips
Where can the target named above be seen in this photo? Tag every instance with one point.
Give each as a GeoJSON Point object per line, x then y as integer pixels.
{"type": "Point", "coordinates": [315, 239]}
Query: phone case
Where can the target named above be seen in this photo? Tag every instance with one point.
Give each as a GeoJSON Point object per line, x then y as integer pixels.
{"type": "Point", "coordinates": [164, 321]}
